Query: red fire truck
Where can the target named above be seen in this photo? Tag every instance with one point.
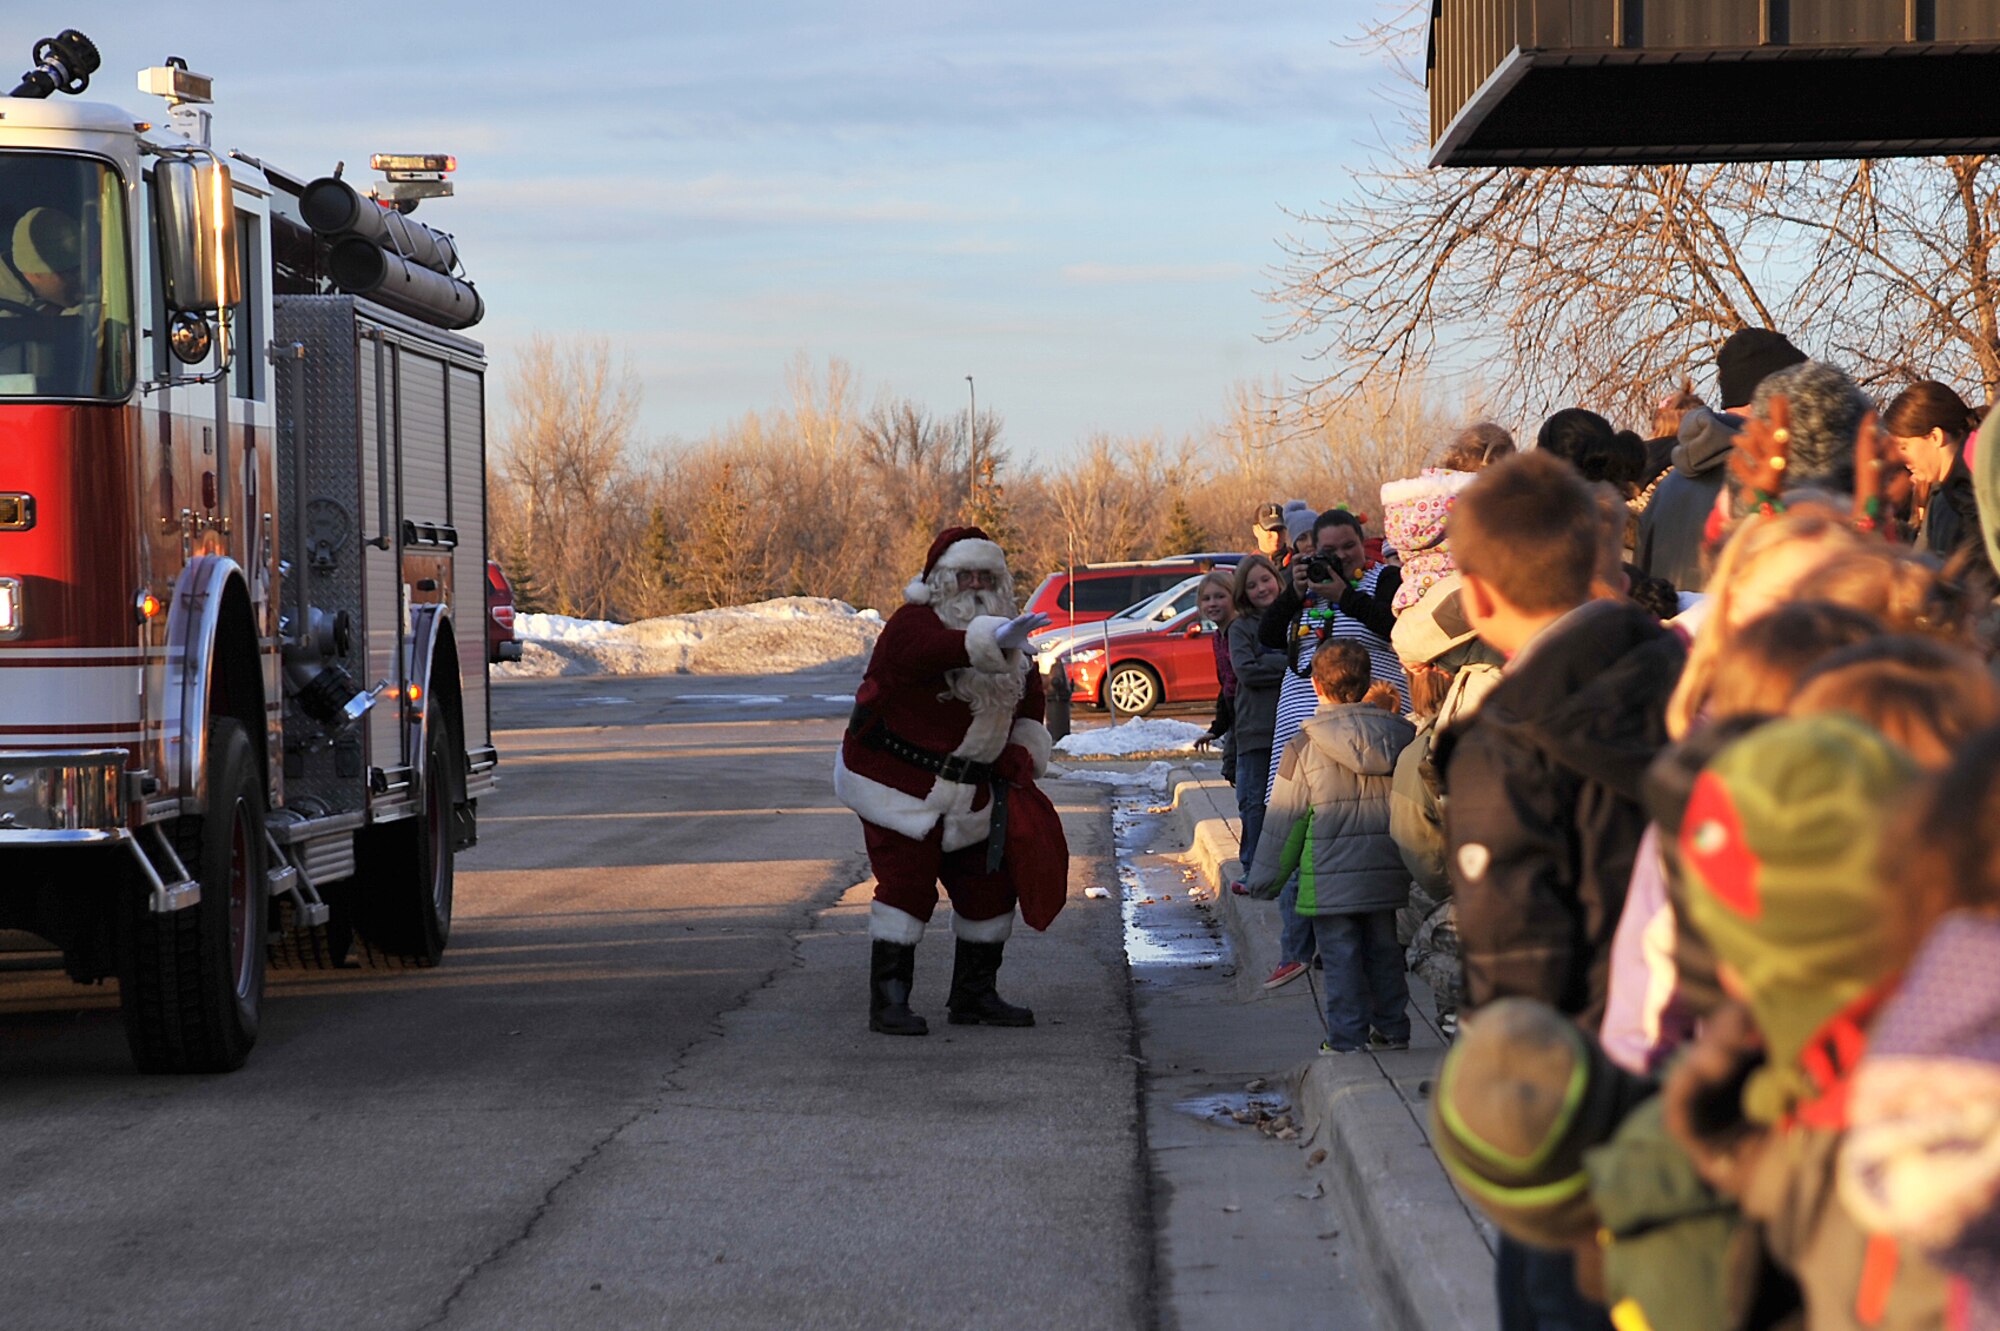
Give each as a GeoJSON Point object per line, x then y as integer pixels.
{"type": "Point", "coordinates": [243, 691]}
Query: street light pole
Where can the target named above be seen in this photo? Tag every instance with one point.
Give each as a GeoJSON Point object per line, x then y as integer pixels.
{"type": "Point", "coordinates": [971, 439]}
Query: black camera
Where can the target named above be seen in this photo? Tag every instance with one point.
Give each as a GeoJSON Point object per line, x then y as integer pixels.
{"type": "Point", "coordinates": [1321, 569]}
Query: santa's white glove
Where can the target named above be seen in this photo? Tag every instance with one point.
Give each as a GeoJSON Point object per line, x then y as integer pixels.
{"type": "Point", "coordinates": [1013, 635]}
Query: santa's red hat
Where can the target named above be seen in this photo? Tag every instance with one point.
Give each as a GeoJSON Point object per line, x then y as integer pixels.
{"type": "Point", "coordinates": [956, 548]}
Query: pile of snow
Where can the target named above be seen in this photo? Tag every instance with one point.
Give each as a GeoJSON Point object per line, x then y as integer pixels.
{"type": "Point", "coordinates": [771, 637]}
{"type": "Point", "coordinates": [1152, 777]}
{"type": "Point", "coordinates": [1141, 734]}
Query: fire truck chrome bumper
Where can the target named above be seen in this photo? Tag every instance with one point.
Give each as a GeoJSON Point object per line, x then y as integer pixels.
{"type": "Point", "coordinates": [74, 798]}
{"type": "Point", "coordinates": [56, 797]}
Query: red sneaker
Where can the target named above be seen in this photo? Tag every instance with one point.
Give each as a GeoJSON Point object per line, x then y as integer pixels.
{"type": "Point", "coordinates": [1284, 975]}
{"type": "Point", "coordinates": [1238, 888]}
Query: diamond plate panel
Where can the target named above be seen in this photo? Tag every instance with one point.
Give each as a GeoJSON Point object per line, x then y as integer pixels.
{"type": "Point", "coordinates": [325, 427]}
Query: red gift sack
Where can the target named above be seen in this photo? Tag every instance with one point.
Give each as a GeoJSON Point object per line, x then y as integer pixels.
{"type": "Point", "coordinates": [1037, 860]}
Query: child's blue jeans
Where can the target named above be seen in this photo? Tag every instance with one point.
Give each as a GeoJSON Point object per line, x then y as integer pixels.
{"type": "Point", "coordinates": [1364, 977]}
{"type": "Point", "coordinates": [1252, 766]}
{"type": "Point", "coordinates": [1295, 935]}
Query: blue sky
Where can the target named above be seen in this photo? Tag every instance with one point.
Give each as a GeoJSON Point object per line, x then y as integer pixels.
{"type": "Point", "coordinates": [1076, 203]}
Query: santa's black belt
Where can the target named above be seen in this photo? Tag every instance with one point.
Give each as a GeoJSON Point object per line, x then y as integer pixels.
{"type": "Point", "coordinates": [868, 728]}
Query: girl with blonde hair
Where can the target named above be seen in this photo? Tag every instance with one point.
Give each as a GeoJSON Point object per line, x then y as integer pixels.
{"type": "Point", "coordinates": [1768, 559]}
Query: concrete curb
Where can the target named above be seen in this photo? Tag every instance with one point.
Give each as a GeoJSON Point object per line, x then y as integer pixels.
{"type": "Point", "coordinates": [1432, 1258]}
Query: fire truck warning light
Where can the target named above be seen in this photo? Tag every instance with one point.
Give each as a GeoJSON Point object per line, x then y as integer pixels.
{"type": "Point", "coordinates": [429, 163]}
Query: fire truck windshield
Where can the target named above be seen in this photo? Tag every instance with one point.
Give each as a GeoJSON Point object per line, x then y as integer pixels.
{"type": "Point", "coordinates": [65, 279]}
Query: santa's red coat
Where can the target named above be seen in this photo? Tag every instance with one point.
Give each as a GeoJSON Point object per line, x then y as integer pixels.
{"type": "Point", "coordinates": [905, 688]}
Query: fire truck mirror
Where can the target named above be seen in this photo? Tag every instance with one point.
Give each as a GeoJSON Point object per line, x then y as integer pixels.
{"type": "Point", "coordinates": [188, 337]}
{"type": "Point", "coordinates": [195, 207]}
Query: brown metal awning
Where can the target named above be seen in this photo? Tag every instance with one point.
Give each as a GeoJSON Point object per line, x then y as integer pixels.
{"type": "Point", "coordinates": [1570, 108]}
{"type": "Point", "coordinates": [1574, 82]}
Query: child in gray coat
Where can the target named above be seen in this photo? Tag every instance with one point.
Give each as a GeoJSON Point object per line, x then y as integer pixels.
{"type": "Point", "coordinates": [1329, 819]}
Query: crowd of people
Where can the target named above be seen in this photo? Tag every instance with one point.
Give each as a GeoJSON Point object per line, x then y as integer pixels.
{"type": "Point", "coordinates": [1671, 765]}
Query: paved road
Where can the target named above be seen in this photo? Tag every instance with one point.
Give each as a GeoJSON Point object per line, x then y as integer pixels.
{"type": "Point", "coordinates": [638, 1093]}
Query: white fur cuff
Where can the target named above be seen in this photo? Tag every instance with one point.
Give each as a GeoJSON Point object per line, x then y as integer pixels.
{"type": "Point", "coordinates": [1034, 737]}
{"type": "Point", "coordinates": [972, 553]}
{"type": "Point", "coordinates": [893, 926]}
{"type": "Point", "coordinates": [982, 644]}
{"type": "Point", "coordinates": [996, 930]}
{"type": "Point", "coordinates": [1434, 481]}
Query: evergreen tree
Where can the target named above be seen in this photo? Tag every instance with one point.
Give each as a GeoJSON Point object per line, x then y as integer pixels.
{"type": "Point", "coordinates": [986, 506]}
{"type": "Point", "coordinates": [520, 576]}
{"type": "Point", "coordinates": [660, 559]}
{"type": "Point", "coordinates": [714, 561]}
{"type": "Point", "coordinates": [1183, 535]}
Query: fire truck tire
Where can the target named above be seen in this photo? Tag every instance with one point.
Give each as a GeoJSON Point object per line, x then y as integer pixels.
{"type": "Point", "coordinates": [403, 878]}
{"type": "Point", "coordinates": [193, 984]}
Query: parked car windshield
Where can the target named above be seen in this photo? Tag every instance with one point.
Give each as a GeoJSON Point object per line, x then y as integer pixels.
{"type": "Point", "coordinates": [65, 284]}
{"type": "Point", "coordinates": [1175, 600]}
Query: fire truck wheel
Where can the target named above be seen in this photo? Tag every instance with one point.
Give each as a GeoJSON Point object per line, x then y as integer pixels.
{"type": "Point", "coordinates": [403, 875]}
{"type": "Point", "coordinates": [194, 980]}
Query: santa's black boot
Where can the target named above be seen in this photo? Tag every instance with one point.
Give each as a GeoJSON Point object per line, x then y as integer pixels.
{"type": "Point", "coordinates": [974, 1001]}
{"type": "Point", "coordinates": [891, 968]}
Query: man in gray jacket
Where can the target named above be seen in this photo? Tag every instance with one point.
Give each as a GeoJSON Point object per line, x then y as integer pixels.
{"type": "Point", "coordinates": [1329, 820]}
{"type": "Point", "coordinates": [1672, 528]}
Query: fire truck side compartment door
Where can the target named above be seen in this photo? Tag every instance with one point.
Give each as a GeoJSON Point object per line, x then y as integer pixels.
{"type": "Point", "coordinates": [381, 555]}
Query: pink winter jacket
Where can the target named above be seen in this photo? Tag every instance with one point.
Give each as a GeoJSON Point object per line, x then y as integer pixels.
{"type": "Point", "coordinates": [1413, 514]}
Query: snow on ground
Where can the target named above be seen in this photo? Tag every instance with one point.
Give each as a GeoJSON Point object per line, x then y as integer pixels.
{"type": "Point", "coordinates": [771, 637]}
{"type": "Point", "coordinates": [1152, 777]}
{"type": "Point", "coordinates": [1141, 734]}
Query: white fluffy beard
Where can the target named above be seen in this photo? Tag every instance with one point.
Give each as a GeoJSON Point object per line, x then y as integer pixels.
{"type": "Point", "coordinates": [959, 608]}
{"type": "Point", "coordinates": [984, 691]}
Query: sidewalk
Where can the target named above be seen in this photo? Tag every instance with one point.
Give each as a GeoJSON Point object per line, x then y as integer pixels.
{"type": "Point", "coordinates": [1431, 1259]}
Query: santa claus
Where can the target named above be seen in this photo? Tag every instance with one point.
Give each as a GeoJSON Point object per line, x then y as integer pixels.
{"type": "Point", "coordinates": [947, 719]}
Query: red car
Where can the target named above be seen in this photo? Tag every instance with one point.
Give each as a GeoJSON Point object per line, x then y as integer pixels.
{"type": "Point", "coordinates": [500, 644]}
{"type": "Point", "coordinates": [1090, 592]}
{"type": "Point", "coordinates": [1138, 671]}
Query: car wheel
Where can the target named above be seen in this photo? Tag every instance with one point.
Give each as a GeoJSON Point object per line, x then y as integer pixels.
{"type": "Point", "coordinates": [1134, 689]}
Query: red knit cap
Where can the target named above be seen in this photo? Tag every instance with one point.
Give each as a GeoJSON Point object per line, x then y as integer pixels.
{"type": "Point", "coordinates": [956, 547]}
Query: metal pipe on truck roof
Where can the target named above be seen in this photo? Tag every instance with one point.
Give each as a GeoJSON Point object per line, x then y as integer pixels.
{"type": "Point", "coordinates": [362, 268]}
{"type": "Point", "coordinates": [336, 209]}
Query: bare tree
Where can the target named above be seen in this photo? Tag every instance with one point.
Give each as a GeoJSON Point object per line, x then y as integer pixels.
{"type": "Point", "coordinates": [916, 466]}
{"type": "Point", "coordinates": [567, 507]}
{"type": "Point", "coordinates": [1100, 501]}
{"type": "Point", "coordinates": [1603, 285]}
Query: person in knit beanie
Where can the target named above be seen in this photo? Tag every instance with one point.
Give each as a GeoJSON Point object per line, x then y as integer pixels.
{"type": "Point", "coordinates": [1562, 1149]}
{"type": "Point", "coordinates": [1413, 515]}
{"type": "Point", "coordinates": [1781, 847]}
{"type": "Point", "coordinates": [1520, 1098]}
{"type": "Point", "coordinates": [1299, 518]}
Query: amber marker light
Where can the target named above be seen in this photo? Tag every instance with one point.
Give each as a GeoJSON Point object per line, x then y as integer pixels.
{"type": "Point", "coordinates": [148, 606]}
